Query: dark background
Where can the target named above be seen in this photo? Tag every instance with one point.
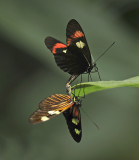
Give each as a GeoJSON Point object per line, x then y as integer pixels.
{"type": "Point", "coordinates": [28, 74]}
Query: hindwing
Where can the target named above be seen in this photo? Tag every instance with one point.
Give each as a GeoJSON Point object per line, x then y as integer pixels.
{"type": "Point", "coordinates": [73, 119]}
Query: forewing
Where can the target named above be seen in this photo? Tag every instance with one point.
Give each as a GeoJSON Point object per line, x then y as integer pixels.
{"type": "Point", "coordinates": [40, 116]}
{"type": "Point", "coordinates": [54, 100]}
{"type": "Point", "coordinates": [51, 107]}
{"type": "Point", "coordinates": [76, 42]}
{"type": "Point", "coordinates": [73, 119]}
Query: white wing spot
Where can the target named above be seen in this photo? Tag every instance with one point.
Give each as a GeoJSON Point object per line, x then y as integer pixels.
{"type": "Point", "coordinates": [77, 131]}
{"type": "Point", "coordinates": [53, 112]}
{"type": "Point", "coordinates": [65, 50]}
{"type": "Point", "coordinates": [44, 118]}
{"type": "Point", "coordinates": [75, 121]}
{"type": "Point", "coordinates": [80, 44]}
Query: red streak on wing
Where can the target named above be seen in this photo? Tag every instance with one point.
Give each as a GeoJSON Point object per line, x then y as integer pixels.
{"type": "Point", "coordinates": [69, 41]}
{"type": "Point", "coordinates": [58, 45]}
{"type": "Point", "coordinates": [76, 112]}
{"type": "Point", "coordinates": [77, 34]}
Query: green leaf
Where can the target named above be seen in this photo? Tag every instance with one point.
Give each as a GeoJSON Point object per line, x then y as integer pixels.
{"type": "Point", "coordinates": [90, 87]}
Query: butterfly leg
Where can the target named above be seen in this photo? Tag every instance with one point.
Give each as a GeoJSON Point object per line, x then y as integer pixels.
{"type": "Point", "coordinates": [68, 86]}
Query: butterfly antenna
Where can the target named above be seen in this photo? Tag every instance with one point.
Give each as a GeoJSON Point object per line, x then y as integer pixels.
{"type": "Point", "coordinates": [80, 87]}
{"type": "Point", "coordinates": [90, 77]}
{"type": "Point", "coordinates": [83, 92]}
{"type": "Point", "coordinates": [94, 123]}
{"type": "Point", "coordinates": [99, 76]}
{"type": "Point", "coordinates": [105, 51]}
{"type": "Point", "coordinates": [98, 73]}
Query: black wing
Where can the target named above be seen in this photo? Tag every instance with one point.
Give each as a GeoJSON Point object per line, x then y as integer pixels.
{"type": "Point", "coordinates": [77, 44]}
{"type": "Point", "coordinates": [63, 57]}
{"type": "Point", "coordinates": [73, 119]}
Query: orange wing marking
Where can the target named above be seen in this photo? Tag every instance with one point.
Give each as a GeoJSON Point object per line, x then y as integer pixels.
{"type": "Point", "coordinates": [77, 34]}
{"type": "Point", "coordinates": [58, 45]}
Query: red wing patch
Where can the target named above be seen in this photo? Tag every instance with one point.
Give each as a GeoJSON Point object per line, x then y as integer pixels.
{"type": "Point", "coordinates": [54, 44]}
{"type": "Point", "coordinates": [69, 41]}
{"type": "Point", "coordinates": [76, 112]}
{"type": "Point", "coordinates": [77, 34]}
{"type": "Point", "coordinates": [58, 45]}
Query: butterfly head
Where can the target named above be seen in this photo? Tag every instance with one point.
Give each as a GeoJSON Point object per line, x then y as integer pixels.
{"type": "Point", "coordinates": [95, 69]}
{"type": "Point", "coordinates": [91, 67]}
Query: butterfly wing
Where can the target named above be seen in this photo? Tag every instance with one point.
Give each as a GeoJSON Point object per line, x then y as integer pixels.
{"type": "Point", "coordinates": [77, 44]}
{"type": "Point", "coordinates": [67, 61]}
{"type": "Point", "coordinates": [51, 107]}
{"type": "Point", "coordinates": [74, 57]}
{"type": "Point", "coordinates": [55, 46]}
{"type": "Point", "coordinates": [60, 52]}
{"type": "Point", "coordinates": [73, 119]}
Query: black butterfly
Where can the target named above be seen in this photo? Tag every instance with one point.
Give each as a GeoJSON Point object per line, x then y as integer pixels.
{"type": "Point", "coordinates": [56, 104]}
{"type": "Point", "coordinates": [75, 57]}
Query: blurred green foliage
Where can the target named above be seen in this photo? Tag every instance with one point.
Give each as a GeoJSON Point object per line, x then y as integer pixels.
{"type": "Point", "coordinates": [29, 74]}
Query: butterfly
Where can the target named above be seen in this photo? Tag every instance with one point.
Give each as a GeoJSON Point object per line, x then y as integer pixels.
{"type": "Point", "coordinates": [60, 103]}
{"type": "Point", "coordinates": [73, 57]}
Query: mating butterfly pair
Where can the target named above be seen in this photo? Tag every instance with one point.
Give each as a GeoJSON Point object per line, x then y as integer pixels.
{"type": "Point", "coordinates": [74, 58]}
